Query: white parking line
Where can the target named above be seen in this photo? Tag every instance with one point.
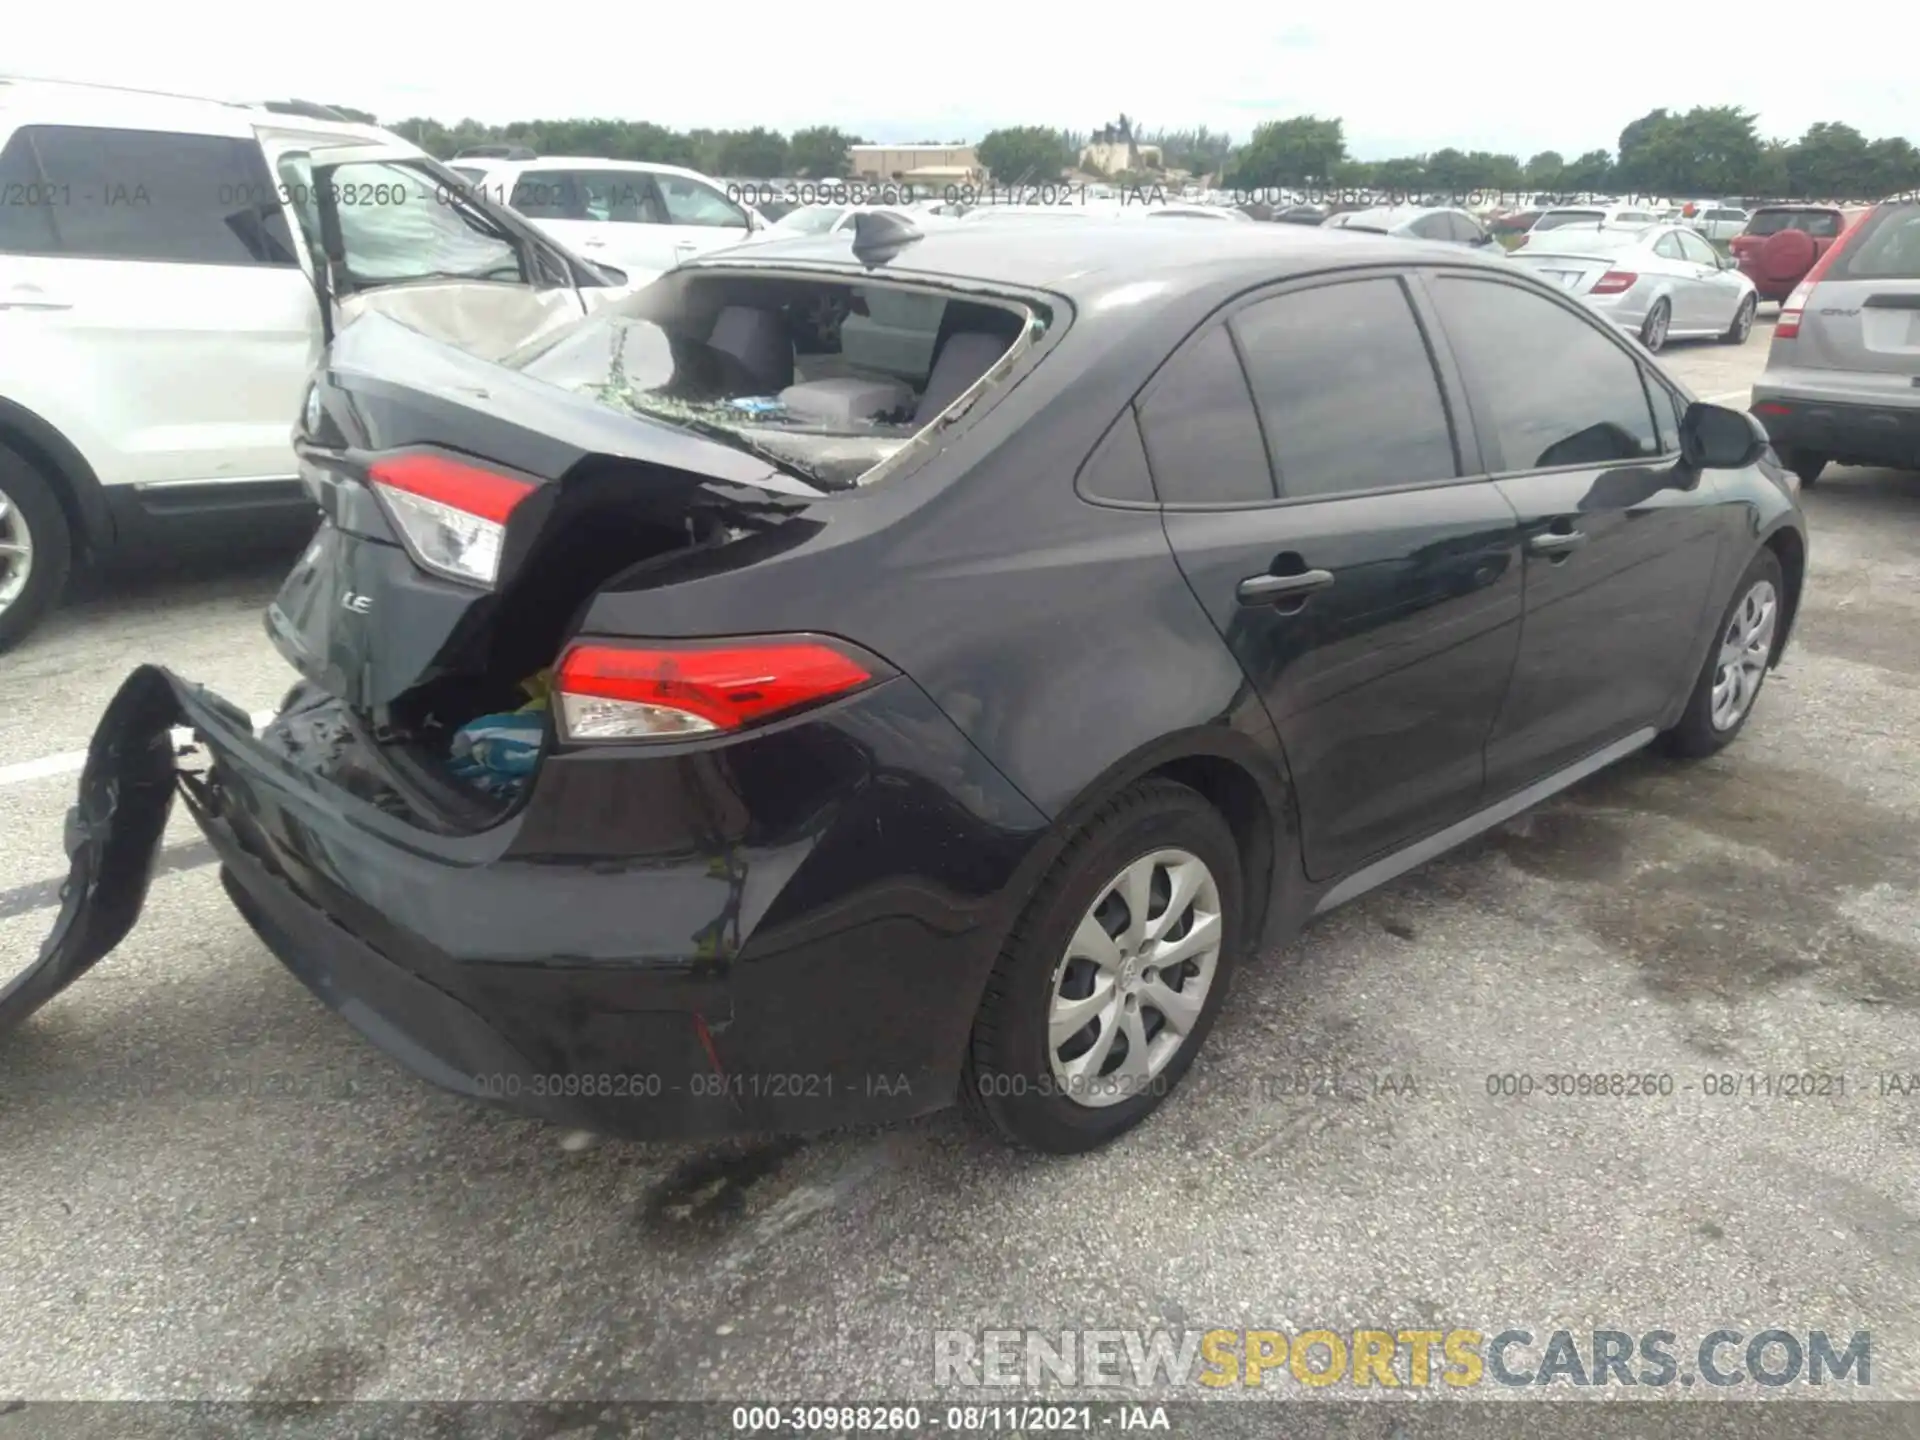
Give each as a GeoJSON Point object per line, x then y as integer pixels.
{"type": "Point", "coordinates": [1742, 392]}
{"type": "Point", "coordinates": [73, 761]}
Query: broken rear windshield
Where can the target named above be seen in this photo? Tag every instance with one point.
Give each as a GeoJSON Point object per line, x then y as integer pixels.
{"type": "Point", "coordinates": [826, 379]}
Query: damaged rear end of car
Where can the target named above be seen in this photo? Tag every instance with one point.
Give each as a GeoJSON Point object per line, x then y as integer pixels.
{"type": "Point", "coordinates": [580, 871]}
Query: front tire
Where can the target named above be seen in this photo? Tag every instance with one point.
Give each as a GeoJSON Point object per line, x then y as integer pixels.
{"type": "Point", "coordinates": [1110, 981]}
{"type": "Point", "coordinates": [1653, 329]}
{"type": "Point", "coordinates": [1742, 325]}
{"type": "Point", "coordinates": [1736, 664]}
{"type": "Point", "coordinates": [36, 548]}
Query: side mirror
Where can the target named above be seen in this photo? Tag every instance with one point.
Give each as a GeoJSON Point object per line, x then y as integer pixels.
{"type": "Point", "coordinates": [1712, 437]}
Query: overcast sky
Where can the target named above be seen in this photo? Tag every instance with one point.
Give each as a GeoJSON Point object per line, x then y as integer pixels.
{"type": "Point", "coordinates": [1472, 75]}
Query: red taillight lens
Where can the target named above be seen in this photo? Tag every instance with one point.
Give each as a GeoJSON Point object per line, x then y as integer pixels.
{"type": "Point", "coordinates": [1614, 282]}
{"type": "Point", "coordinates": [451, 514]}
{"type": "Point", "coordinates": [1767, 407]}
{"type": "Point", "coordinates": [641, 692]}
{"type": "Point", "coordinates": [1787, 327]}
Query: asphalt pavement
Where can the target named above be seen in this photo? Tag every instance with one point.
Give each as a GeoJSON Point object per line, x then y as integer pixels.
{"type": "Point", "coordinates": [210, 1188]}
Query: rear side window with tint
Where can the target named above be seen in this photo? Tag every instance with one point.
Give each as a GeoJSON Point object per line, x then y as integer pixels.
{"type": "Point", "coordinates": [1346, 389]}
{"type": "Point", "coordinates": [1117, 469]}
{"type": "Point", "coordinates": [1887, 248]}
{"type": "Point", "coordinates": [1201, 433]}
{"type": "Point", "coordinates": [1550, 386]}
{"type": "Point", "coordinates": [141, 195]}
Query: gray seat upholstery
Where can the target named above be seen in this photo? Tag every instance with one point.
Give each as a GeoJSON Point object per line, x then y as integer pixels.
{"type": "Point", "coordinates": [964, 357]}
{"type": "Point", "coordinates": [760, 341]}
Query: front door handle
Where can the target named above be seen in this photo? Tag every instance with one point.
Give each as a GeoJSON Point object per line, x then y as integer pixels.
{"type": "Point", "coordinates": [1266, 589]}
{"type": "Point", "coordinates": [1556, 542]}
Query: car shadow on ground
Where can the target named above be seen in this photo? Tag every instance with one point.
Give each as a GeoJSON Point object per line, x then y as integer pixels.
{"type": "Point", "coordinates": [108, 594]}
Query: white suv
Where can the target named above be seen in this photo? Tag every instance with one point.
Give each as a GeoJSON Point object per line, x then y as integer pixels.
{"type": "Point", "coordinates": [170, 270]}
{"type": "Point", "coordinates": [643, 218]}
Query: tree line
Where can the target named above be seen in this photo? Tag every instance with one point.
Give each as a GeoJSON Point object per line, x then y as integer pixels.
{"type": "Point", "coordinates": [1705, 151]}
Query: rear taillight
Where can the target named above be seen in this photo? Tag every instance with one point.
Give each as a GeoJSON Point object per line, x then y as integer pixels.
{"type": "Point", "coordinates": [1787, 327]}
{"type": "Point", "coordinates": [451, 514]}
{"type": "Point", "coordinates": [1614, 282]}
{"type": "Point", "coordinates": [613, 691]}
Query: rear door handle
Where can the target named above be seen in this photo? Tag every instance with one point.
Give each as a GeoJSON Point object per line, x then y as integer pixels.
{"type": "Point", "coordinates": [1555, 543]}
{"type": "Point", "coordinates": [1265, 589]}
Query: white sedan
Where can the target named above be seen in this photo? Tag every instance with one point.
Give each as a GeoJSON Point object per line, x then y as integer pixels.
{"type": "Point", "coordinates": [1656, 282]}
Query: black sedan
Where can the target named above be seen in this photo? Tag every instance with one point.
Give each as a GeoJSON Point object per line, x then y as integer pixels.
{"type": "Point", "coordinates": [714, 721]}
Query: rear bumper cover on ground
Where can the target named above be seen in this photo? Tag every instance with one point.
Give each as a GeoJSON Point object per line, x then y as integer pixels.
{"type": "Point", "coordinates": [812, 958]}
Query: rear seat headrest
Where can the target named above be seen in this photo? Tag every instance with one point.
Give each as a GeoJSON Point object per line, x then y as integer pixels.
{"type": "Point", "coordinates": [760, 341]}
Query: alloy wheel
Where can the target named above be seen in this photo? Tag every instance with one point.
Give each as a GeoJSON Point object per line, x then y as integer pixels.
{"type": "Point", "coordinates": [1134, 979]}
{"type": "Point", "coordinates": [1743, 321]}
{"type": "Point", "coordinates": [1656, 327]}
{"type": "Point", "coordinates": [16, 551]}
{"type": "Point", "coordinates": [1745, 649]}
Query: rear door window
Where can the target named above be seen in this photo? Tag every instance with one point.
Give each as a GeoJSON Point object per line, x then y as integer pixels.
{"type": "Point", "coordinates": [1667, 247]}
{"type": "Point", "coordinates": [1552, 387]}
{"type": "Point", "coordinates": [548, 195]}
{"type": "Point", "coordinates": [103, 194]}
{"type": "Point", "coordinates": [1201, 431]}
{"type": "Point", "coordinates": [1887, 248]}
{"type": "Point", "coordinates": [691, 202]}
{"type": "Point", "coordinates": [1346, 390]}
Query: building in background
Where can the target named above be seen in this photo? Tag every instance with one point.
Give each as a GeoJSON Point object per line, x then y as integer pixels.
{"type": "Point", "coordinates": [918, 164]}
{"type": "Point", "coordinates": [1117, 157]}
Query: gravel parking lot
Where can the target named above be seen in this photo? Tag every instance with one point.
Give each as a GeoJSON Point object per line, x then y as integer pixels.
{"type": "Point", "coordinates": [213, 1188]}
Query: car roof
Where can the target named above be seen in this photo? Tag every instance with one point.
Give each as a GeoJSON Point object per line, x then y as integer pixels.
{"type": "Point", "coordinates": [575, 162]}
{"type": "Point", "coordinates": [1088, 263]}
{"type": "Point", "coordinates": [29, 101]}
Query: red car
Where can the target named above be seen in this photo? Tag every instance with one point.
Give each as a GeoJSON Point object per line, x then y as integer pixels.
{"type": "Point", "coordinates": [1782, 242]}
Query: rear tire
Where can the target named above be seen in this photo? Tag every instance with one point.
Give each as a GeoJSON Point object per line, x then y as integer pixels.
{"type": "Point", "coordinates": [1742, 325]}
{"type": "Point", "coordinates": [1653, 329]}
{"type": "Point", "coordinates": [1722, 700]}
{"type": "Point", "coordinates": [1806, 466]}
{"type": "Point", "coordinates": [36, 548]}
{"type": "Point", "coordinates": [1015, 1082]}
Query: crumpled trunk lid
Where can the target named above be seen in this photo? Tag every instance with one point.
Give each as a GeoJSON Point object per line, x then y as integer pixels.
{"type": "Point", "coordinates": [361, 618]}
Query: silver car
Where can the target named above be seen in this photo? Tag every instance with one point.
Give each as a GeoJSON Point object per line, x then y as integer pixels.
{"type": "Point", "coordinates": [1561, 215]}
{"type": "Point", "coordinates": [1842, 382]}
{"type": "Point", "coordinates": [1418, 222]}
{"type": "Point", "coordinates": [1653, 281]}
{"type": "Point", "coordinates": [1720, 222]}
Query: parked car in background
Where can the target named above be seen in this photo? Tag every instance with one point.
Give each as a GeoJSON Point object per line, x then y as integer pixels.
{"type": "Point", "coordinates": [1514, 222]}
{"type": "Point", "coordinates": [1560, 215]}
{"type": "Point", "coordinates": [161, 310]}
{"type": "Point", "coordinates": [1417, 222]}
{"type": "Point", "coordinates": [1842, 382]}
{"type": "Point", "coordinates": [1303, 214]}
{"type": "Point", "coordinates": [643, 218]}
{"type": "Point", "coordinates": [1719, 222]}
{"type": "Point", "coordinates": [963, 730]}
{"type": "Point", "coordinates": [1781, 243]}
{"type": "Point", "coordinates": [837, 220]}
{"type": "Point", "coordinates": [1655, 282]}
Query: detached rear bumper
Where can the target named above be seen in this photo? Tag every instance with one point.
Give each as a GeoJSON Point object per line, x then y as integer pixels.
{"type": "Point", "coordinates": [624, 955]}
